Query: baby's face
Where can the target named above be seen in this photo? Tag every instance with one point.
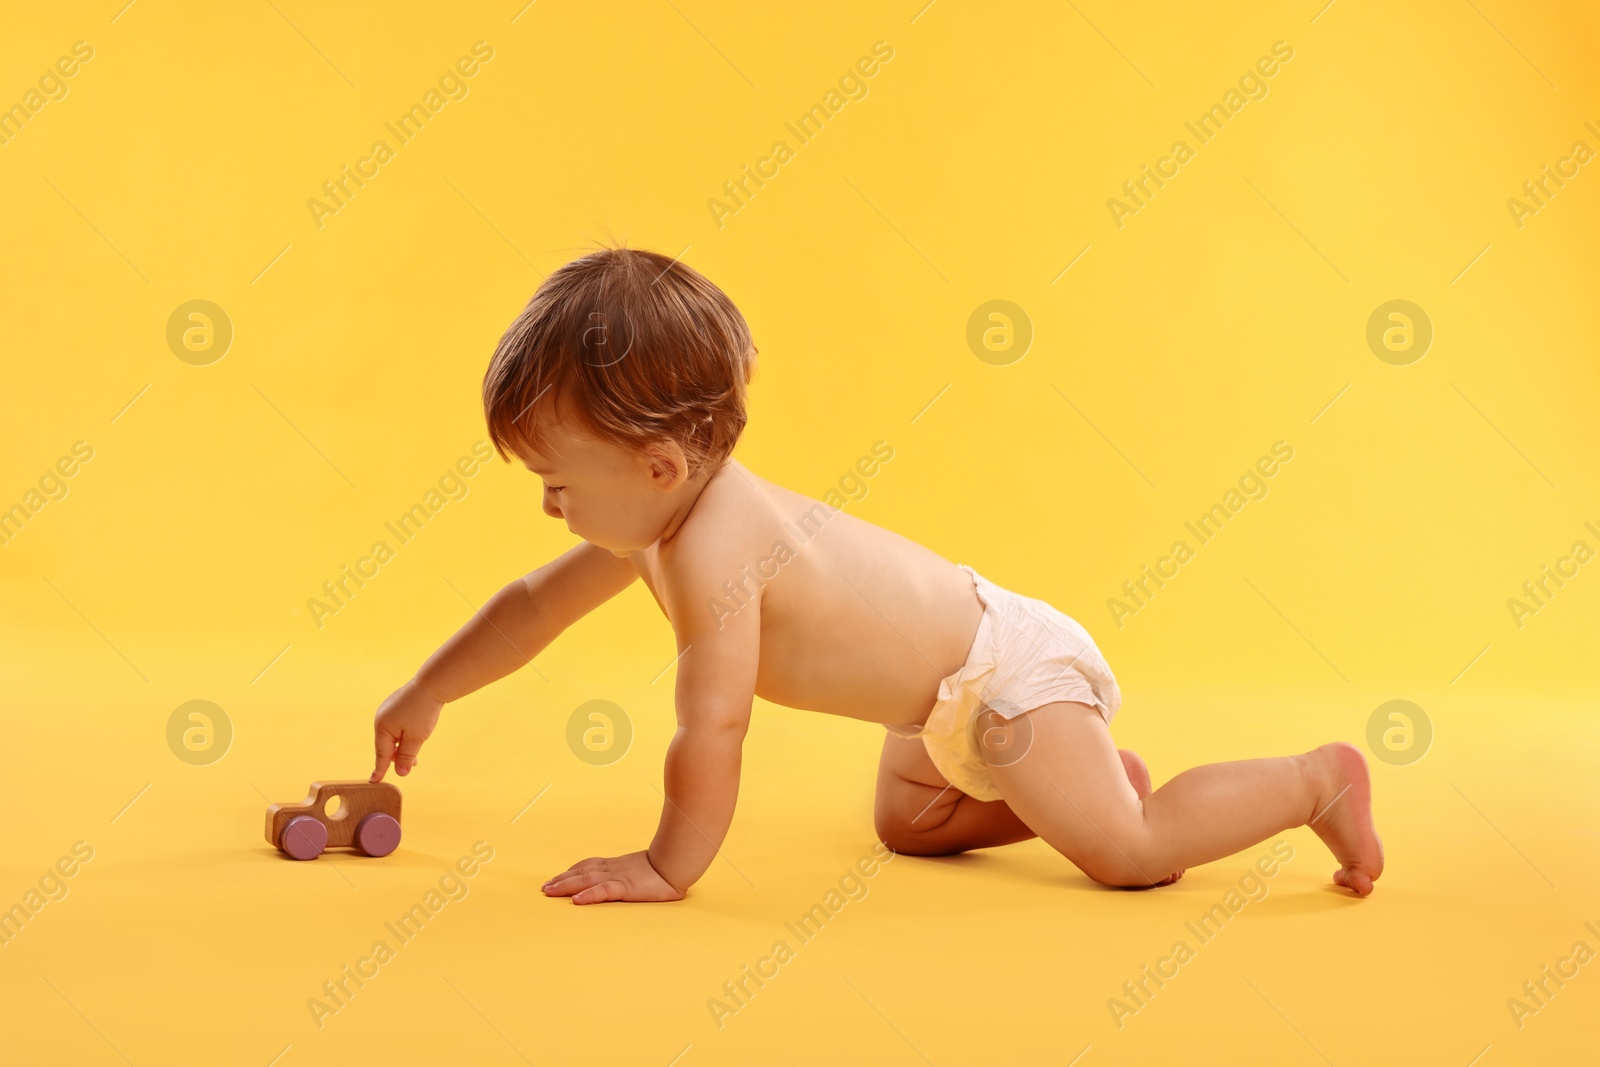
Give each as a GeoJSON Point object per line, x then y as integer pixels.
{"type": "Point", "coordinates": [605, 493]}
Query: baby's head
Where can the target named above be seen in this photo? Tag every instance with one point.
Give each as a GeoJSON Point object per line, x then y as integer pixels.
{"type": "Point", "coordinates": [622, 385]}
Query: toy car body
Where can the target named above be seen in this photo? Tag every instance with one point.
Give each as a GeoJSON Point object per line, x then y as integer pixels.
{"type": "Point", "coordinates": [368, 818]}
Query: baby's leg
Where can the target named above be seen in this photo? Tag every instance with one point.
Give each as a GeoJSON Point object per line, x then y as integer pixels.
{"type": "Point", "coordinates": [1073, 790]}
{"type": "Point", "coordinates": [917, 812]}
{"type": "Point", "coordinates": [1139, 778]}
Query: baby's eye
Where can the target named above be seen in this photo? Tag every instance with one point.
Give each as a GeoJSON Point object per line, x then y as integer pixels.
{"type": "Point", "coordinates": [554, 488]}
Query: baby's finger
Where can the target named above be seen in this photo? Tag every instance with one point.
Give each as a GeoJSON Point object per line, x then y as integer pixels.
{"type": "Point", "coordinates": [611, 889]}
{"type": "Point", "coordinates": [564, 885]}
{"type": "Point", "coordinates": [385, 749]}
{"type": "Point", "coordinates": [573, 880]}
{"type": "Point", "coordinates": [576, 870]}
{"type": "Point", "coordinates": [407, 756]}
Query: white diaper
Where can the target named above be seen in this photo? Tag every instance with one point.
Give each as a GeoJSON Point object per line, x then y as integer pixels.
{"type": "Point", "coordinates": [1025, 654]}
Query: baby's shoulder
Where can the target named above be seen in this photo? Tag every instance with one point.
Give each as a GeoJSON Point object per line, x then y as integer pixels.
{"type": "Point", "coordinates": [732, 522]}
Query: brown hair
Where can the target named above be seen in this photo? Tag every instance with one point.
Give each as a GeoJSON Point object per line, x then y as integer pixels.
{"type": "Point", "coordinates": [638, 346]}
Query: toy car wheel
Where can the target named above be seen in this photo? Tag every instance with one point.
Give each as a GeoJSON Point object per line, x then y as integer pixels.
{"type": "Point", "coordinates": [377, 834]}
{"type": "Point", "coordinates": [304, 838]}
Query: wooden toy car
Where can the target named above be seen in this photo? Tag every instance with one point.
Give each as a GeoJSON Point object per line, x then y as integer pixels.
{"type": "Point", "coordinates": [366, 815]}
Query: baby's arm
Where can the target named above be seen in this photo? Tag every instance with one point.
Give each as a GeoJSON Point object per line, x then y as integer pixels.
{"type": "Point", "coordinates": [717, 666]}
{"type": "Point", "coordinates": [512, 628]}
{"type": "Point", "coordinates": [716, 688]}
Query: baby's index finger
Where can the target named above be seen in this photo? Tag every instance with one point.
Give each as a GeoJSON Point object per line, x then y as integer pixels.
{"type": "Point", "coordinates": [385, 754]}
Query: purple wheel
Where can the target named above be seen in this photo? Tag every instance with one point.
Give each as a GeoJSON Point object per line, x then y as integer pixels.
{"type": "Point", "coordinates": [304, 838]}
{"type": "Point", "coordinates": [377, 834]}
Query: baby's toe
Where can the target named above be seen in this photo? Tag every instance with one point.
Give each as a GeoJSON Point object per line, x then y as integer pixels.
{"type": "Point", "coordinates": [1353, 879]}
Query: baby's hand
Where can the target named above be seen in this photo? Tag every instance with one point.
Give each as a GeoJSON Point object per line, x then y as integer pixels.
{"type": "Point", "coordinates": [595, 880]}
{"type": "Point", "coordinates": [403, 722]}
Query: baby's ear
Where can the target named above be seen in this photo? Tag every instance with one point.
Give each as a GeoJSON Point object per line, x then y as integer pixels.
{"type": "Point", "coordinates": [668, 466]}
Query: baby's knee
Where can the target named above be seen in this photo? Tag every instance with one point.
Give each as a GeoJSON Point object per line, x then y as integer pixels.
{"type": "Point", "coordinates": [1115, 874]}
{"type": "Point", "coordinates": [890, 831]}
{"type": "Point", "coordinates": [907, 840]}
{"type": "Point", "coordinates": [910, 822]}
{"type": "Point", "coordinates": [1127, 866]}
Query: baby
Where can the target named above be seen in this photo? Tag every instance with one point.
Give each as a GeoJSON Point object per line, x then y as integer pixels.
{"type": "Point", "coordinates": [622, 386]}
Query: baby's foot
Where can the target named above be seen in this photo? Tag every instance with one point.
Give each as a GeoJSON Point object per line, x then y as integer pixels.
{"type": "Point", "coordinates": [1139, 778]}
{"type": "Point", "coordinates": [1138, 773]}
{"type": "Point", "coordinates": [1343, 816]}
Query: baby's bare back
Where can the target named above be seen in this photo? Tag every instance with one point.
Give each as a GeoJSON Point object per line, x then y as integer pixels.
{"type": "Point", "coordinates": [855, 619]}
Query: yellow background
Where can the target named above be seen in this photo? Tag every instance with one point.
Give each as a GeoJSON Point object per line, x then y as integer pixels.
{"type": "Point", "coordinates": [1223, 317]}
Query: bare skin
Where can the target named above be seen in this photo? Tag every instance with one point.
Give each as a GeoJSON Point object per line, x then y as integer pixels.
{"type": "Point", "coordinates": [946, 821]}
{"type": "Point", "coordinates": [777, 595]}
